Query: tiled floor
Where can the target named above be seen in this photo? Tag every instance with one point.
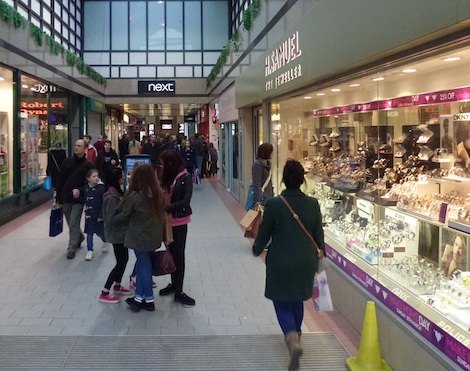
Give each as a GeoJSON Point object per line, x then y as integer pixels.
{"type": "Point", "coordinates": [43, 293]}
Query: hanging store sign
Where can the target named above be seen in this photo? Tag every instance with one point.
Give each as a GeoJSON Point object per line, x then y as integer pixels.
{"type": "Point", "coordinates": [283, 56]}
{"type": "Point", "coordinates": [153, 87]}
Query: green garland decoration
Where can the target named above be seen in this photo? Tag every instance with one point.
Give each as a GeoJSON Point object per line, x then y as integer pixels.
{"type": "Point", "coordinates": [235, 43]}
{"type": "Point", "coordinates": [36, 34]}
{"type": "Point", "coordinates": [13, 18]}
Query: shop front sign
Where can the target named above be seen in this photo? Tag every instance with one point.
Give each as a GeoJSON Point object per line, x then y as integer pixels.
{"type": "Point", "coordinates": [153, 87]}
{"type": "Point", "coordinates": [38, 108]}
{"type": "Point", "coordinates": [285, 55]}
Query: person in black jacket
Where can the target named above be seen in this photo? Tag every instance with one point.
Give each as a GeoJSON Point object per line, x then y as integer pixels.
{"type": "Point", "coordinates": [107, 159]}
{"type": "Point", "coordinates": [152, 148]}
{"type": "Point", "coordinates": [72, 178]}
{"type": "Point", "coordinates": [178, 187]}
{"type": "Point", "coordinates": [55, 158]}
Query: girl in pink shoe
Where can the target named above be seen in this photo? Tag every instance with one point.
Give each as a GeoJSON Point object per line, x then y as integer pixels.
{"type": "Point", "coordinates": [115, 226]}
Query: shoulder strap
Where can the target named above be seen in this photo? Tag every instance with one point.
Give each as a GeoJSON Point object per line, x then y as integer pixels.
{"type": "Point", "coordinates": [56, 164]}
{"type": "Point", "coordinates": [266, 182]}
{"type": "Point", "coordinates": [296, 217]}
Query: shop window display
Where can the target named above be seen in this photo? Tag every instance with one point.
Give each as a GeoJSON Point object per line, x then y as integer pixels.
{"type": "Point", "coordinates": [6, 139]}
{"type": "Point", "coordinates": [392, 176]}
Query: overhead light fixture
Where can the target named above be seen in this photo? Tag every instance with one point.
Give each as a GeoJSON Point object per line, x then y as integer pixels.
{"type": "Point", "coordinates": [409, 70]}
{"type": "Point", "coordinates": [378, 79]}
{"type": "Point", "coordinates": [24, 86]}
{"type": "Point", "coordinates": [451, 59]}
{"type": "Point", "coordinates": [2, 77]}
{"type": "Point", "coordinates": [354, 85]}
{"type": "Point", "coordinates": [320, 94]}
{"type": "Point", "coordinates": [335, 90]}
{"type": "Point", "coordinates": [307, 97]}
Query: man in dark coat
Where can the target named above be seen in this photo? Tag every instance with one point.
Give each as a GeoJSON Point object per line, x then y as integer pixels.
{"type": "Point", "coordinates": [72, 178]}
{"type": "Point", "coordinates": [198, 148]}
{"type": "Point", "coordinates": [152, 148]}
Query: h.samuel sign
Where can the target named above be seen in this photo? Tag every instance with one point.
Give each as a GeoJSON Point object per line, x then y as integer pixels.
{"type": "Point", "coordinates": [156, 87]}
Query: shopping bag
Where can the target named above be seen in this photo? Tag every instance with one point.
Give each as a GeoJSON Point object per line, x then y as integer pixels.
{"type": "Point", "coordinates": [250, 199]}
{"type": "Point", "coordinates": [47, 185]}
{"type": "Point", "coordinates": [168, 229]}
{"type": "Point", "coordinates": [248, 219]}
{"type": "Point", "coordinates": [321, 293]}
{"type": "Point", "coordinates": [162, 263]}
{"type": "Point", "coordinates": [252, 231]}
{"type": "Point", "coordinates": [323, 263]}
{"type": "Point", "coordinates": [56, 223]}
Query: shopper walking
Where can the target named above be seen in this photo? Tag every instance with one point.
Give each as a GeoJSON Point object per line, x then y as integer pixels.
{"type": "Point", "coordinates": [214, 158]}
{"type": "Point", "coordinates": [73, 178]}
{"type": "Point", "coordinates": [91, 152]}
{"type": "Point", "coordinates": [93, 193]}
{"type": "Point", "coordinates": [261, 174]}
{"type": "Point", "coordinates": [115, 227]}
{"type": "Point", "coordinates": [106, 160]}
{"type": "Point", "coordinates": [178, 187]}
{"type": "Point", "coordinates": [291, 260]}
{"type": "Point", "coordinates": [55, 158]}
{"type": "Point", "coordinates": [144, 205]}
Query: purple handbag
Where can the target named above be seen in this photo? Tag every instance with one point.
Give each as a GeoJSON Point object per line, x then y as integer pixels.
{"type": "Point", "coordinates": [162, 263]}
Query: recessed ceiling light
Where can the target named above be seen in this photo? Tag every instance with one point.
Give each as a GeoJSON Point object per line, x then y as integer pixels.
{"type": "Point", "coordinates": [451, 59]}
{"type": "Point", "coordinates": [378, 79]}
{"type": "Point", "coordinates": [24, 86]}
{"type": "Point", "coordinates": [335, 90]}
{"type": "Point", "coordinates": [1, 78]}
{"type": "Point", "coordinates": [307, 97]}
{"type": "Point", "coordinates": [409, 70]}
{"type": "Point", "coordinates": [320, 94]}
{"type": "Point", "coordinates": [354, 85]}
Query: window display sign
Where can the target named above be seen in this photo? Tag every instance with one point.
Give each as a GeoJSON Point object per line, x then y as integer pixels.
{"type": "Point", "coordinates": [130, 161]}
{"type": "Point", "coordinates": [443, 335]}
{"type": "Point", "coordinates": [32, 152]}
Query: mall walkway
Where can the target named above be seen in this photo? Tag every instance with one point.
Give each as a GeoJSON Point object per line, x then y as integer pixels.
{"type": "Point", "coordinates": [54, 302]}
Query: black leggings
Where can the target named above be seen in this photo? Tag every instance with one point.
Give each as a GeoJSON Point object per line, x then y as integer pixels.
{"type": "Point", "coordinates": [177, 248]}
{"type": "Point", "coordinates": [122, 256]}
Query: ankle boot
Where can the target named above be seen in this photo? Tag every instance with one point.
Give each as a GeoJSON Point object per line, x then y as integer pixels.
{"type": "Point", "coordinates": [295, 349]}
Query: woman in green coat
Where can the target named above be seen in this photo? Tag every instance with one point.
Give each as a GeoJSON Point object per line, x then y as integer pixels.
{"type": "Point", "coordinates": [291, 261]}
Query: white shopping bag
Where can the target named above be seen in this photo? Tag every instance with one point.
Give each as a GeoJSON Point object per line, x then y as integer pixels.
{"type": "Point", "coordinates": [321, 293]}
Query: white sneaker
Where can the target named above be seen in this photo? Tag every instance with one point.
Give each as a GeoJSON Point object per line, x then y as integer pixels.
{"type": "Point", "coordinates": [89, 255]}
{"type": "Point", "coordinates": [105, 246]}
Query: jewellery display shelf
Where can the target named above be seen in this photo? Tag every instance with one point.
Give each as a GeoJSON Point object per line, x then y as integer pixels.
{"type": "Point", "coordinates": [411, 273]}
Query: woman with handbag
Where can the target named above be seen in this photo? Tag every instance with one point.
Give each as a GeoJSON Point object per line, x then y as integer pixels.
{"type": "Point", "coordinates": [291, 260]}
{"type": "Point", "coordinates": [178, 187]}
{"type": "Point", "coordinates": [144, 205]}
{"type": "Point", "coordinates": [261, 187]}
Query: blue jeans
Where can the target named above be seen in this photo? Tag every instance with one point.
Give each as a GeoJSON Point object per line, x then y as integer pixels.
{"type": "Point", "coordinates": [199, 164]}
{"type": "Point", "coordinates": [290, 315]}
{"type": "Point", "coordinates": [143, 270]}
{"type": "Point", "coordinates": [89, 239]}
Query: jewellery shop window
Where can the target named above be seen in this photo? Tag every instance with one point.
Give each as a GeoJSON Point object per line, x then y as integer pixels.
{"type": "Point", "coordinates": [6, 130]}
{"type": "Point", "coordinates": [391, 172]}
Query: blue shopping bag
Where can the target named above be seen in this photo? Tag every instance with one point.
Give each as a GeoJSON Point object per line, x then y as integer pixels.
{"type": "Point", "coordinates": [47, 185]}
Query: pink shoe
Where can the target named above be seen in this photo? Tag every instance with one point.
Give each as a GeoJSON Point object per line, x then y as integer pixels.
{"type": "Point", "coordinates": [109, 299]}
{"type": "Point", "coordinates": [122, 290]}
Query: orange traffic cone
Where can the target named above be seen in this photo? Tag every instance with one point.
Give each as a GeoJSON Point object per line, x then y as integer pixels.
{"type": "Point", "coordinates": [369, 357]}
